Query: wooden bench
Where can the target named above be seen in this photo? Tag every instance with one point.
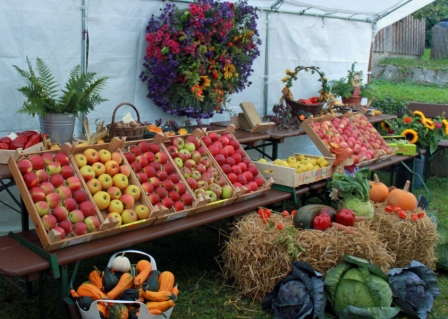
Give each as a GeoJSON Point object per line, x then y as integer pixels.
{"type": "Point", "coordinates": [431, 111]}
{"type": "Point", "coordinates": [21, 254]}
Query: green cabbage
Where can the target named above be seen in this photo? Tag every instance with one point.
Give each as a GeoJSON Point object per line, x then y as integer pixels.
{"type": "Point", "coordinates": [360, 208]}
{"type": "Point", "coordinates": [357, 289]}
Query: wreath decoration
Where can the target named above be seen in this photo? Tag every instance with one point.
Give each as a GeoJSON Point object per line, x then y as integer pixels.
{"type": "Point", "coordinates": [198, 56]}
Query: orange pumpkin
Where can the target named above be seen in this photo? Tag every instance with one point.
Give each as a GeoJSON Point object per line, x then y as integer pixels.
{"type": "Point", "coordinates": [402, 198]}
{"type": "Point", "coordinates": [378, 192]}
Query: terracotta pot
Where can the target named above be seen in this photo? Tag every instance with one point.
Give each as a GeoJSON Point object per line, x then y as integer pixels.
{"type": "Point", "coordinates": [352, 100]}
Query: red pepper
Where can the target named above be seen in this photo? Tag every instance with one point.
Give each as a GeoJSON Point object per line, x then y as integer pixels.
{"type": "Point", "coordinates": [322, 222]}
{"type": "Point", "coordinates": [285, 213]}
{"type": "Point", "coordinates": [280, 226]}
{"type": "Point", "coordinates": [402, 214]}
{"type": "Point", "coordinates": [20, 139]}
{"type": "Point", "coordinates": [389, 209]}
{"type": "Point", "coordinates": [6, 140]}
{"type": "Point", "coordinates": [4, 146]}
{"type": "Point", "coordinates": [27, 133]}
{"type": "Point", "coordinates": [421, 215]}
{"type": "Point", "coordinates": [293, 212]}
{"type": "Point", "coordinates": [33, 140]}
{"type": "Point", "coordinates": [396, 208]}
{"type": "Point", "coordinates": [346, 217]}
{"type": "Point", "coordinates": [414, 217]}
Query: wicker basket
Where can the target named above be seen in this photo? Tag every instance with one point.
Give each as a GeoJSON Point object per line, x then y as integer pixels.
{"type": "Point", "coordinates": [296, 107]}
{"type": "Point", "coordinates": [132, 132]}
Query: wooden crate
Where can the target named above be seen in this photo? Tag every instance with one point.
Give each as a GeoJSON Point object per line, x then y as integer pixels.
{"type": "Point", "coordinates": [115, 146]}
{"type": "Point", "coordinates": [287, 176]}
{"type": "Point", "coordinates": [51, 240]}
{"type": "Point", "coordinates": [162, 213]}
{"type": "Point", "coordinates": [241, 193]}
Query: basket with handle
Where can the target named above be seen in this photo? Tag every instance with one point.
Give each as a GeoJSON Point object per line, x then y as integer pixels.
{"type": "Point", "coordinates": [93, 313]}
{"type": "Point", "coordinates": [316, 108]}
{"type": "Point", "coordinates": [132, 131]}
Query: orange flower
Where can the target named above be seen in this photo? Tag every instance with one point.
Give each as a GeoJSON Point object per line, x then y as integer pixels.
{"type": "Point", "coordinates": [407, 120]}
{"type": "Point", "coordinates": [301, 117]}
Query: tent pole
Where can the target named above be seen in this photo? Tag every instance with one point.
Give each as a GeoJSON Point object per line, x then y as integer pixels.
{"type": "Point", "coordinates": [84, 47]}
{"type": "Point", "coordinates": [266, 65]}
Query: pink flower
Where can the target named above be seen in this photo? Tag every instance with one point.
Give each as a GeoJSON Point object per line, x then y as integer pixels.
{"type": "Point", "coordinates": [165, 27]}
{"type": "Point", "coordinates": [159, 33]}
{"type": "Point", "coordinates": [438, 125]}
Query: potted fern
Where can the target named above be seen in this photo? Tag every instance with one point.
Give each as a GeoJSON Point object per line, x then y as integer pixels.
{"type": "Point", "coordinates": [350, 88]}
{"type": "Point", "coordinates": [58, 111]}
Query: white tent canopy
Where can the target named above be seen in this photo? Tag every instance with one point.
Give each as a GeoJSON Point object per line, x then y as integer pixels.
{"type": "Point", "coordinates": [325, 33]}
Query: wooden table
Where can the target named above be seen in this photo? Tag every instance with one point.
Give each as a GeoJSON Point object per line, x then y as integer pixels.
{"type": "Point", "coordinates": [5, 173]}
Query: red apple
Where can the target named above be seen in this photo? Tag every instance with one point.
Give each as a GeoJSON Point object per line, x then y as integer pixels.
{"type": "Point", "coordinates": [232, 178]}
{"type": "Point", "coordinates": [167, 184]}
{"type": "Point", "coordinates": [147, 187]}
{"type": "Point", "coordinates": [136, 150]}
{"type": "Point", "coordinates": [161, 158]}
{"type": "Point", "coordinates": [149, 171]}
{"type": "Point", "coordinates": [241, 179]}
{"type": "Point", "coordinates": [60, 212]}
{"type": "Point", "coordinates": [259, 181]}
{"type": "Point", "coordinates": [230, 160]}
{"type": "Point", "coordinates": [37, 162]}
{"type": "Point", "coordinates": [62, 159]}
{"type": "Point", "coordinates": [31, 179]}
{"type": "Point", "coordinates": [63, 191]}
{"type": "Point", "coordinates": [220, 159]}
{"type": "Point", "coordinates": [167, 202]}
{"type": "Point", "coordinates": [174, 195]}
{"type": "Point", "coordinates": [142, 177]}
{"type": "Point", "coordinates": [213, 136]}
{"type": "Point", "coordinates": [229, 148]}
{"type": "Point", "coordinates": [47, 187]}
{"type": "Point", "coordinates": [142, 160]}
{"type": "Point", "coordinates": [60, 230]}
{"type": "Point", "coordinates": [24, 166]}
{"type": "Point", "coordinates": [248, 175]}
{"type": "Point", "coordinates": [53, 199]}
{"type": "Point", "coordinates": [237, 157]}
{"type": "Point", "coordinates": [37, 194]}
{"type": "Point", "coordinates": [154, 181]}
{"type": "Point", "coordinates": [226, 168]}
{"type": "Point", "coordinates": [66, 225]}
{"type": "Point", "coordinates": [187, 199]}
{"type": "Point", "coordinates": [253, 169]}
{"type": "Point", "coordinates": [153, 147]}
{"type": "Point", "coordinates": [87, 208]}
{"type": "Point", "coordinates": [73, 182]}
{"type": "Point", "coordinates": [79, 196]}
{"type": "Point", "coordinates": [192, 183]}
{"type": "Point", "coordinates": [220, 180]}
{"type": "Point", "coordinates": [253, 186]}
{"type": "Point", "coordinates": [149, 156]}
{"type": "Point", "coordinates": [179, 206]}
{"type": "Point", "coordinates": [243, 167]}
{"type": "Point", "coordinates": [173, 150]}
{"type": "Point", "coordinates": [144, 146]}
{"type": "Point", "coordinates": [67, 171]}
{"type": "Point", "coordinates": [136, 167]}
{"type": "Point", "coordinates": [49, 221]}
{"type": "Point", "coordinates": [47, 157]}
{"type": "Point", "coordinates": [213, 149]}
{"type": "Point", "coordinates": [161, 192]}
{"type": "Point", "coordinates": [42, 174]}
{"type": "Point", "coordinates": [79, 228]}
{"type": "Point", "coordinates": [130, 157]}
{"type": "Point", "coordinates": [162, 175]}
{"type": "Point", "coordinates": [207, 141]}
{"type": "Point", "coordinates": [180, 188]}
{"type": "Point", "coordinates": [168, 168]}
{"type": "Point", "coordinates": [154, 198]}
{"type": "Point", "coordinates": [236, 169]}
{"type": "Point", "coordinates": [174, 177]}
{"type": "Point", "coordinates": [224, 152]}
{"type": "Point", "coordinates": [70, 204]}
{"type": "Point", "coordinates": [57, 180]}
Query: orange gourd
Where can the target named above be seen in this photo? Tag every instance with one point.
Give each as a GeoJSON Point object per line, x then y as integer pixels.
{"type": "Point", "coordinates": [92, 291]}
{"type": "Point", "coordinates": [158, 295]}
{"type": "Point", "coordinates": [154, 128]}
{"type": "Point", "coordinates": [144, 268]}
{"type": "Point", "coordinates": [402, 198]}
{"type": "Point", "coordinates": [126, 281]}
{"type": "Point", "coordinates": [159, 305]}
{"type": "Point", "coordinates": [378, 192]}
{"type": "Point", "coordinates": [96, 279]}
{"type": "Point", "coordinates": [102, 309]}
{"type": "Point", "coordinates": [175, 290]}
{"type": "Point", "coordinates": [166, 281]}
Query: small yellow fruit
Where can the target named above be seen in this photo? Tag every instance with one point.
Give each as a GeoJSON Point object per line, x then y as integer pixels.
{"type": "Point", "coordinates": [100, 141]}
{"type": "Point", "coordinates": [301, 157]}
{"type": "Point", "coordinates": [284, 163]}
{"type": "Point", "coordinates": [291, 159]}
{"type": "Point", "coordinates": [262, 160]}
{"type": "Point", "coordinates": [83, 144]}
{"type": "Point", "coordinates": [277, 161]}
{"type": "Point", "coordinates": [309, 167]}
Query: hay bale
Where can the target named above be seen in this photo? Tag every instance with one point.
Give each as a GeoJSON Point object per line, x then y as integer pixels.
{"type": "Point", "coordinates": [256, 262]}
{"type": "Point", "coordinates": [407, 239]}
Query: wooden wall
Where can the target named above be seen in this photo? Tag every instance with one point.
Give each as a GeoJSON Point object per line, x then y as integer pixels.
{"type": "Point", "coordinates": [406, 36]}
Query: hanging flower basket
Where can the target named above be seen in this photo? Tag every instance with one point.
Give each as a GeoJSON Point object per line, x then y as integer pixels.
{"type": "Point", "coordinates": [197, 57]}
{"type": "Point", "coordinates": [312, 105]}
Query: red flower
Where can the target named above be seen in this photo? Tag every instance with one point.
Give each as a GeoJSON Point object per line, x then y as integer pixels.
{"type": "Point", "coordinates": [407, 120]}
{"type": "Point", "coordinates": [230, 44]}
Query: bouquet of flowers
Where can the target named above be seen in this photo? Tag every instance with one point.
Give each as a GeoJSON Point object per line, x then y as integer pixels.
{"type": "Point", "coordinates": [420, 130]}
{"type": "Point", "coordinates": [196, 57]}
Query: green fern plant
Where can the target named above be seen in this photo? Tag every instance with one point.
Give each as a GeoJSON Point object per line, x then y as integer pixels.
{"type": "Point", "coordinates": [80, 94]}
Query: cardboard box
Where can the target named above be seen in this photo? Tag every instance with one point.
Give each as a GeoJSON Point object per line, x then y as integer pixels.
{"type": "Point", "coordinates": [287, 176]}
{"type": "Point", "coordinates": [400, 148]}
{"type": "Point", "coordinates": [51, 240]}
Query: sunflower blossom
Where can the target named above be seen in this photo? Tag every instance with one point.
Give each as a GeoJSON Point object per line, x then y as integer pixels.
{"type": "Point", "coordinates": [228, 71]}
{"type": "Point", "coordinates": [419, 114]}
{"type": "Point", "coordinates": [205, 82]}
{"type": "Point", "coordinates": [410, 135]}
{"type": "Point", "coordinates": [429, 124]}
{"type": "Point", "coordinates": [385, 126]}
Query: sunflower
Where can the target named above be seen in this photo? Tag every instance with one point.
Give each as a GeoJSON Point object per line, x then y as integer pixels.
{"type": "Point", "coordinates": [385, 126]}
{"type": "Point", "coordinates": [419, 114]}
{"type": "Point", "coordinates": [228, 71]}
{"type": "Point", "coordinates": [410, 135]}
{"type": "Point", "coordinates": [204, 82]}
{"type": "Point", "coordinates": [429, 124]}
{"type": "Point", "coordinates": [445, 124]}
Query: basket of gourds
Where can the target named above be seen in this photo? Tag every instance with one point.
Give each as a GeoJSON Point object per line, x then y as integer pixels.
{"type": "Point", "coordinates": [127, 290]}
{"type": "Point", "coordinates": [312, 105]}
{"type": "Point", "coordinates": [133, 130]}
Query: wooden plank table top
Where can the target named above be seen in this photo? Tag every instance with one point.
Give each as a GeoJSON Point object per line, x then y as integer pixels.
{"type": "Point", "coordinates": [243, 136]}
{"type": "Point", "coordinates": [381, 117]}
{"type": "Point", "coordinates": [21, 264]}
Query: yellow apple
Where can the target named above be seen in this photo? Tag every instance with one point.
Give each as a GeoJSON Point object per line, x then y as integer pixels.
{"type": "Point", "coordinates": [106, 181]}
{"type": "Point", "coordinates": [112, 167]}
{"type": "Point", "coordinates": [94, 186]}
{"type": "Point", "coordinates": [142, 212]}
{"type": "Point", "coordinates": [120, 181]}
{"type": "Point", "coordinates": [99, 168]}
{"type": "Point", "coordinates": [134, 191]}
{"type": "Point", "coordinates": [115, 216]}
{"type": "Point", "coordinates": [80, 160]}
{"type": "Point", "coordinates": [102, 199]}
{"type": "Point", "coordinates": [105, 156]}
{"type": "Point", "coordinates": [115, 206]}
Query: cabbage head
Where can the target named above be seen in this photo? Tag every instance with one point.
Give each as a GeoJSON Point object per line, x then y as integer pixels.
{"type": "Point", "coordinates": [298, 295]}
{"type": "Point", "coordinates": [414, 287]}
{"type": "Point", "coordinates": [358, 289]}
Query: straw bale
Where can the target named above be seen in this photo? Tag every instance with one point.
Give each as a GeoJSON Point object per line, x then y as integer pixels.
{"type": "Point", "coordinates": [407, 239]}
{"type": "Point", "coordinates": [256, 262]}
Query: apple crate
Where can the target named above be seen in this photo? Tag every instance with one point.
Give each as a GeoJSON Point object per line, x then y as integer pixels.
{"type": "Point", "coordinates": [196, 162]}
{"type": "Point", "coordinates": [287, 176]}
{"type": "Point", "coordinates": [323, 145]}
{"type": "Point", "coordinates": [51, 240]}
{"type": "Point", "coordinates": [225, 162]}
{"type": "Point", "coordinates": [93, 313]}
{"type": "Point", "coordinates": [173, 208]}
{"type": "Point", "coordinates": [114, 149]}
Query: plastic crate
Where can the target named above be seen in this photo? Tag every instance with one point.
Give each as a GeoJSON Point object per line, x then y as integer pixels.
{"type": "Point", "coordinates": [93, 313]}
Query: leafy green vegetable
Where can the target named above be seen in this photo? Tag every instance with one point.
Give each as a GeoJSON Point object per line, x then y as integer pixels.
{"type": "Point", "coordinates": [358, 289]}
{"type": "Point", "coordinates": [415, 287]}
{"type": "Point", "coordinates": [297, 296]}
{"type": "Point", "coordinates": [355, 191]}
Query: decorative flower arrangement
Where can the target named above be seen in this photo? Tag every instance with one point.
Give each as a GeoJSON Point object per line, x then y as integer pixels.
{"type": "Point", "coordinates": [351, 85]}
{"type": "Point", "coordinates": [420, 130]}
{"type": "Point", "coordinates": [197, 57]}
{"type": "Point", "coordinates": [283, 118]}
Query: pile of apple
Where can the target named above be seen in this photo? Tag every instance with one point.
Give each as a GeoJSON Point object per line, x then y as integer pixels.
{"type": "Point", "coordinates": [197, 168]}
{"type": "Point", "coordinates": [158, 176]}
{"type": "Point", "coordinates": [107, 179]}
{"type": "Point", "coordinates": [233, 161]}
{"type": "Point", "coordinates": [370, 134]}
{"type": "Point", "coordinates": [57, 194]}
{"type": "Point", "coordinates": [327, 133]}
